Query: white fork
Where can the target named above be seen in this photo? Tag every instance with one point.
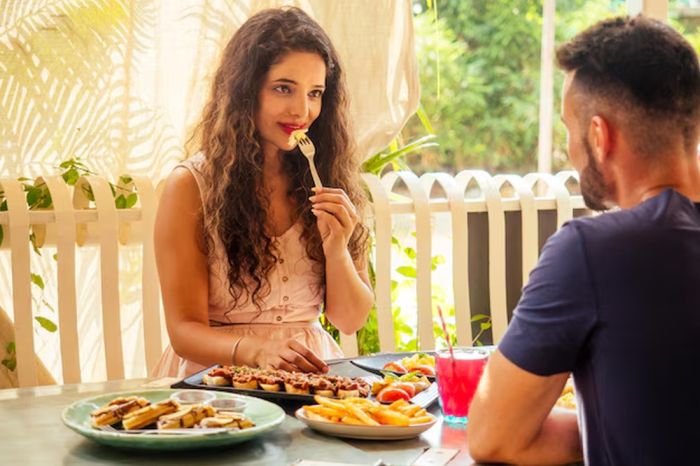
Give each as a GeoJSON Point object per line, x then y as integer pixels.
{"type": "Point", "coordinates": [307, 148]}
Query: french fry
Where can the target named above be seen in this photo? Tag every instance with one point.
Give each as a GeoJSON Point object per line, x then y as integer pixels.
{"type": "Point", "coordinates": [361, 411]}
{"type": "Point", "coordinates": [410, 410]}
{"type": "Point", "coordinates": [327, 402]}
{"type": "Point", "coordinates": [361, 415]}
{"type": "Point", "coordinates": [420, 420]}
{"type": "Point", "coordinates": [391, 417]}
{"type": "Point", "coordinates": [351, 420]}
{"type": "Point", "coordinates": [315, 417]}
{"type": "Point", "coordinates": [325, 412]}
{"type": "Point", "coordinates": [398, 404]}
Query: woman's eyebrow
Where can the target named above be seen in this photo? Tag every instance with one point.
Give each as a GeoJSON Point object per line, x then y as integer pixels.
{"type": "Point", "coordinates": [291, 81]}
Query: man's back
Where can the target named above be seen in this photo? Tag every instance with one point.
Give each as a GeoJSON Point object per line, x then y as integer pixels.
{"type": "Point", "coordinates": [616, 300]}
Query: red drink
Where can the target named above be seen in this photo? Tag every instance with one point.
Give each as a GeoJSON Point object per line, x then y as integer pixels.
{"type": "Point", "coordinates": [457, 380]}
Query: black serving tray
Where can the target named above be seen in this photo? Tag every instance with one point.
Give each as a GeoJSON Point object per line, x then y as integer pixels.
{"type": "Point", "coordinates": [375, 363]}
{"type": "Point", "coordinates": [424, 399]}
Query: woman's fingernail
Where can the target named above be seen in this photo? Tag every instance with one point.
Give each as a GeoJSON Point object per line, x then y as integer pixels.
{"type": "Point", "coordinates": [312, 198]}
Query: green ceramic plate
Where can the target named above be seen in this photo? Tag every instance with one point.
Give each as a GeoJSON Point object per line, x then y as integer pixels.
{"type": "Point", "coordinates": [266, 416]}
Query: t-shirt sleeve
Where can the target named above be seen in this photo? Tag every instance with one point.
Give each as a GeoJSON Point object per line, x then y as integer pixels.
{"type": "Point", "coordinates": [556, 311]}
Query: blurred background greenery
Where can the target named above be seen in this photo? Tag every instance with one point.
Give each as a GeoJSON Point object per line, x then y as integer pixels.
{"type": "Point", "coordinates": [480, 76]}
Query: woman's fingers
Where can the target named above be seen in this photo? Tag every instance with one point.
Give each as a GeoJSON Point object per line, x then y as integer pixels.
{"type": "Point", "coordinates": [300, 358]}
{"type": "Point", "coordinates": [328, 221]}
{"type": "Point", "coordinates": [308, 355]}
{"type": "Point", "coordinates": [336, 196]}
{"type": "Point", "coordinates": [338, 211]}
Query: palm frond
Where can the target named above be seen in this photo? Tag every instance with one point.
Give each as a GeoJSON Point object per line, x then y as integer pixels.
{"type": "Point", "coordinates": [67, 86]}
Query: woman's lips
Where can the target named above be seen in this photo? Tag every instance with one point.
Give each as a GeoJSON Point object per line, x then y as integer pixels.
{"type": "Point", "coordinates": [290, 128]}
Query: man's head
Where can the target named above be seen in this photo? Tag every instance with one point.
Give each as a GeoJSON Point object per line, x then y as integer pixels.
{"type": "Point", "coordinates": [632, 81]}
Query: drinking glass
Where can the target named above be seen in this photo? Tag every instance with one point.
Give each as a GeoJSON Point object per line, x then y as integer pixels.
{"type": "Point", "coordinates": [457, 380]}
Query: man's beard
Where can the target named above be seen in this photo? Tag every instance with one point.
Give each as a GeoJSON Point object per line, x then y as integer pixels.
{"type": "Point", "coordinates": [593, 187]}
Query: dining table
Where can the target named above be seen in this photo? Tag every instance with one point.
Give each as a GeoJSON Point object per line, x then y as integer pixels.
{"type": "Point", "coordinates": [32, 432]}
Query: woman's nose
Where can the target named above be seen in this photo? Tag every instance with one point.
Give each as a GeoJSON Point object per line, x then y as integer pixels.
{"type": "Point", "coordinates": [300, 106]}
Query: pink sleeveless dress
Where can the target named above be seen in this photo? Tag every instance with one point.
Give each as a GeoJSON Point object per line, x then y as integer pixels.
{"type": "Point", "coordinates": [291, 310]}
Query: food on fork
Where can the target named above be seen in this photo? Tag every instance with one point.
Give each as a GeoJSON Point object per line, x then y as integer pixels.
{"type": "Point", "coordinates": [297, 135]}
{"type": "Point", "coordinates": [149, 414]}
{"type": "Point", "coordinates": [115, 410]}
{"type": "Point", "coordinates": [185, 417]}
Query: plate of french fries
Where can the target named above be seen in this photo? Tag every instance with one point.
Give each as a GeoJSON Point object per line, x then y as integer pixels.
{"type": "Point", "coordinates": [155, 420]}
{"type": "Point", "coordinates": [362, 418]}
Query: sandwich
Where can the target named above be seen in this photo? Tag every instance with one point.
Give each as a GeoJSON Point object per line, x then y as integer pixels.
{"type": "Point", "coordinates": [270, 382]}
{"type": "Point", "coordinates": [219, 376]}
{"type": "Point", "coordinates": [186, 417]}
{"type": "Point", "coordinates": [115, 410]}
{"type": "Point", "coordinates": [297, 383]}
{"type": "Point", "coordinates": [149, 414]}
{"type": "Point", "coordinates": [245, 381]}
{"type": "Point", "coordinates": [229, 420]}
{"type": "Point", "coordinates": [321, 386]}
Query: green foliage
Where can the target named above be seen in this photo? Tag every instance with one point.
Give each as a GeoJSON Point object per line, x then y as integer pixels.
{"type": "Point", "coordinates": [38, 197]}
{"type": "Point", "coordinates": [11, 360]}
{"type": "Point", "coordinates": [480, 76]}
{"type": "Point", "coordinates": [47, 324]}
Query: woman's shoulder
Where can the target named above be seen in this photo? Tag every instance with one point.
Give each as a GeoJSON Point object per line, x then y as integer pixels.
{"type": "Point", "coordinates": [193, 164]}
{"type": "Point", "coordinates": [187, 177]}
{"type": "Point", "coordinates": [182, 186]}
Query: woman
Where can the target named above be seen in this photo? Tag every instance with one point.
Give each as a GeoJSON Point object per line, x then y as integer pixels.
{"type": "Point", "coordinates": [247, 252]}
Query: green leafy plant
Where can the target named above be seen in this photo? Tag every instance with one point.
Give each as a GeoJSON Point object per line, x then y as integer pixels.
{"type": "Point", "coordinates": [11, 360]}
{"type": "Point", "coordinates": [38, 197]}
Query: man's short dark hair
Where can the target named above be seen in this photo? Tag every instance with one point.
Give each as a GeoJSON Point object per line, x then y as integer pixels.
{"type": "Point", "coordinates": [640, 73]}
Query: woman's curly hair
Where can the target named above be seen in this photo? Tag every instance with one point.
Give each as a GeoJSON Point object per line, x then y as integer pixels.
{"type": "Point", "coordinates": [235, 206]}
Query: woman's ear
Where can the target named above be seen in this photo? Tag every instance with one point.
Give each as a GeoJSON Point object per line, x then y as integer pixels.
{"type": "Point", "coordinates": [601, 136]}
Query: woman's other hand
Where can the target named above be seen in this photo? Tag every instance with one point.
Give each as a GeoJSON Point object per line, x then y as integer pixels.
{"type": "Point", "coordinates": [289, 355]}
{"type": "Point", "coordinates": [337, 217]}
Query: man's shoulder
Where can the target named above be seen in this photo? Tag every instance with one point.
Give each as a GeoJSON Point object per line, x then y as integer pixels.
{"type": "Point", "coordinates": [649, 218]}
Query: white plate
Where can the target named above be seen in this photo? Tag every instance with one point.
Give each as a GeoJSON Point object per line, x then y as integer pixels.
{"type": "Point", "coordinates": [364, 432]}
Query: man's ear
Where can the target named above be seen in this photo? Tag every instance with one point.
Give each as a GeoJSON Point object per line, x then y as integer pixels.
{"type": "Point", "coordinates": [601, 137]}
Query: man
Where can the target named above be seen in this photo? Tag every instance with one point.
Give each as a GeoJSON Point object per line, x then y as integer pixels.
{"type": "Point", "coordinates": [615, 298]}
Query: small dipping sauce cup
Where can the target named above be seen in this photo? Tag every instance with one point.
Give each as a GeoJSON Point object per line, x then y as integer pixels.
{"type": "Point", "coordinates": [192, 397]}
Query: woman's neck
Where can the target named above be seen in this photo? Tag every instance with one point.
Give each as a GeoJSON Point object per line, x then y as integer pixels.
{"type": "Point", "coordinates": [272, 162]}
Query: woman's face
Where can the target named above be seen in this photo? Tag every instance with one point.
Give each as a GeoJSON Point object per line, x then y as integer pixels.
{"type": "Point", "coordinates": [290, 99]}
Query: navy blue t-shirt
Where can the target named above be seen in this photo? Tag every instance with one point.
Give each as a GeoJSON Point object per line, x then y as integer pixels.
{"type": "Point", "coordinates": [615, 299]}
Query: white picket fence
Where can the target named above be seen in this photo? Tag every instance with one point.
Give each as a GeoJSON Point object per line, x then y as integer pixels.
{"type": "Point", "coordinates": [498, 224]}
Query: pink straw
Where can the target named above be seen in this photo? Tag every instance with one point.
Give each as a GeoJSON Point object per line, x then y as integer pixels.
{"type": "Point", "coordinates": [447, 334]}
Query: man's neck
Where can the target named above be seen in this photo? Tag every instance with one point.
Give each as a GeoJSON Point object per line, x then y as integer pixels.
{"type": "Point", "coordinates": [681, 174]}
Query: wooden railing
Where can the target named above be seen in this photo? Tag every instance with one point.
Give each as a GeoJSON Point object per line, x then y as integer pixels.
{"type": "Point", "coordinates": [498, 225]}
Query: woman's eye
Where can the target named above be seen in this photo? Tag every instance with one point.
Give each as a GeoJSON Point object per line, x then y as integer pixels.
{"type": "Point", "coordinates": [282, 89]}
{"type": "Point", "coordinates": [316, 94]}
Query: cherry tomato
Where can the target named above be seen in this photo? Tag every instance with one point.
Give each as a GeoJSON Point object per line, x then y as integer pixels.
{"type": "Point", "coordinates": [424, 369]}
{"type": "Point", "coordinates": [394, 366]}
{"type": "Point", "coordinates": [391, 394]}
{"type": "Point", "coordinates": [406, 387]}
